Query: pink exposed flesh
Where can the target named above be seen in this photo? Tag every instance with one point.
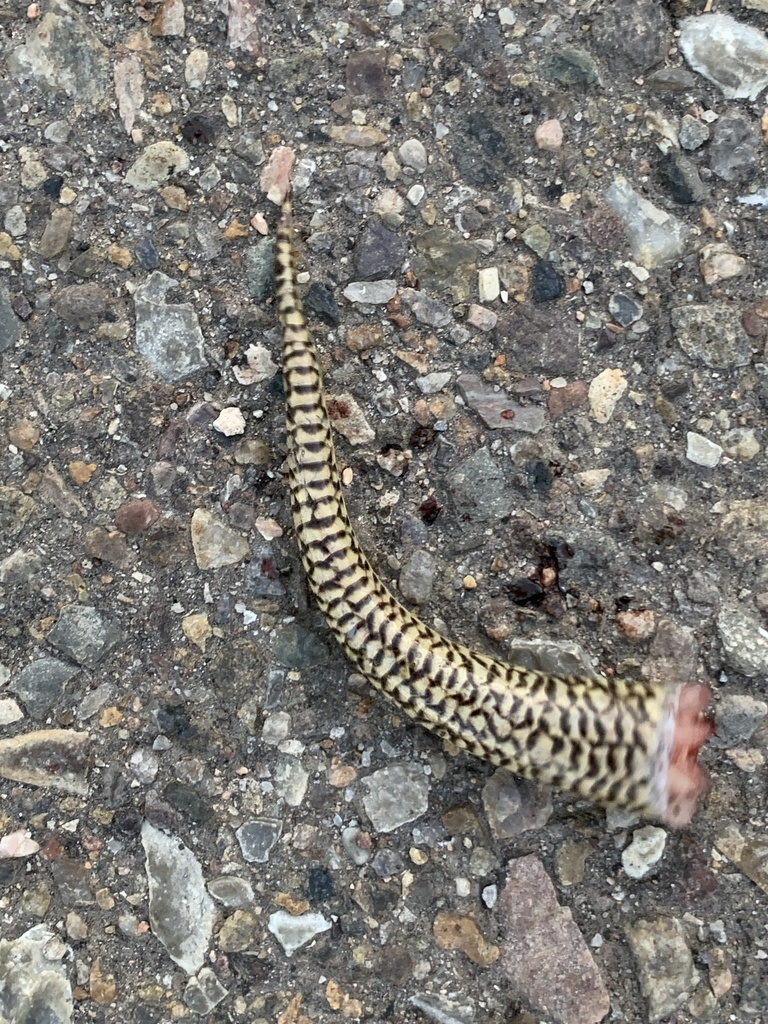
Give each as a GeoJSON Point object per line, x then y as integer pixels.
{"type": "Point", "coordinates": [686, 779]}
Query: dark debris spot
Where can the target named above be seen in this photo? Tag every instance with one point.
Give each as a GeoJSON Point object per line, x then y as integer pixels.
{"type": "Point", "coordinates": [198, 131]}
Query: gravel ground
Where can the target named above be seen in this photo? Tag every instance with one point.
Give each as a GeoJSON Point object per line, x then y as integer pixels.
{"type": "Point", "coordinates": [533, 237]}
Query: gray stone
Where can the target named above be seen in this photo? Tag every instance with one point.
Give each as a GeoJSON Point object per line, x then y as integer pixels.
{"type": "Point", "coordinates": [10, 328]}
{"type": "Point", "coordinates": [181, 911]}
{"type": "Point", "coordinates": [260, 269]}
{"type": "Point", "coordinates": [427, 310]}
{"type": "Point", "coordinates": [655, 237]}
{"type": "Point", "coordinates": [290, 780]}
{"type": "Point", "coordinates": [701, 451]}
{"type": "Point", "coordinates": [52, 758]}
{"type": "Point", "coordinates": [738, 716]}
{"type": "Point", "coordinates": [215, 544]}
{"type": "Point", "coordinates": [395, 796]}
{"type": "Point", "coordinates": [432, 383]}
{"type": "Point", "coordinates": [712, 334]}
{"type": "Point", "coordinates": [388, 863]}
{"type": "Point", "coordinates": [728, 52]}
{"type": "Point", "coordinates": [15, 222]}
{"type": "Point", "coordinates": [667, 974]}
{"type": "Point", "coordinates": [693, 132]}
{"type": "Point", "coordinates": [379, 252]}
{"type": "Point", "coordinates": [413, 154]}
{"type": "Point", "coordinates": [417, 576]}
{"type": "Point", "coordinates": [231, 890]}
{"type": "Point", "coordinates": [204, 992]}
{"type": "Point", "coordinates": [374, 293]}
{"type": "Point", "coordinates": [624, 309]}
{"type": "Point", "coordinates": [543, 943]}
{"type": "Point", "coordinates": [258, 837]}
{"type": "Point", "coordinates": [64, 54]}
{"type": "Point", "coordinates": [167, 335]}
{"type": "Point", "coordinates": [445, 262]}
{"type": "Point", "coordinates": [295, 930]}
{"type": "Point", "coordinates": [497, 410]}
{"type": "Point", "coordinates": [734, 153]}
{"type": "Point", "coordinates": [34, 988]}
{"type": "Point", "coordinates": [632, 36]}
{"type": "Point", "coordinates": [744, 640]}
{"type": "Point", "coordinates": [671, 80]}
{"type": "Point", "coordinates": [82, 305]}
{"type": "Point", "coordinates": [478, 486]}
{"type": "Point", "coordinates": [514, 805]}
{"type": "Point", "coordinates": [155, 165]}
{"type": "Point", "coordinates": [41, 684]}
{"type": "Point", "coordinates": [298, 648]}
{"type": "Point", "coordinates": [84, 635]}
{"type": "Point", "coordinates": [56, 234]}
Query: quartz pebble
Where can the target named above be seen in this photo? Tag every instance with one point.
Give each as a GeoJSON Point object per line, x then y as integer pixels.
{"type": "Point", "coordinates": [728, 52]}
{"type": "Point", "coordinates": [701, 451]}
{"type": "Point", "coordinates": [413, 154]}
{"type": "Point", "coordinates": [644, 852]}
{"type": "Point", "coordinates": [295, 931]}
{"type": "Point", "coordinates": [655, 236]}
{"type": "Point", "coordinates": [605, 391]}
{"type": "Point", "coordinates": [395, 796]}
{"type": "Point", "coordinates": [181, 911]}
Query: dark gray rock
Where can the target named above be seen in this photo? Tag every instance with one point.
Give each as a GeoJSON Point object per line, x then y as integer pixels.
{"type": "Point", "coordinates": [632, 36]}
{"type": "Point", "coordinates": [734, 150]}
{"type": "Point", "coordinates": [41, 684]}
{"type": "Point", "coordinates": [10, 329]}
{"type": "Point", "coordinates": [379, 253]}
{"type": "Point", "coordinates": [84, 635]}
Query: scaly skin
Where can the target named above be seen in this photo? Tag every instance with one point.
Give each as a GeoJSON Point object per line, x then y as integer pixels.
{"type": "Point", "coordinates": [605, 739]}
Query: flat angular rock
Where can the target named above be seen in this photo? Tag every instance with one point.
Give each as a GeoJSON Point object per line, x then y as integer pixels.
{"type": "Point", "coordinates": [204, 992]}
{"type": "Point", "coordinates": [33, 978]}
{"type": "Point", "coordinates": [655, 237]}
{"type": "Point", "coordinates": [728, 52]}
{"type": "Point", "coordinates": [543, 943]}
{"type": "Point", "coordinates": [294, 931]}
{"type": "Point", "coordinates": [41, 684]}
{"type": "Point", "coordinates": [395, 796]}
{"type": "Point", "coordinates": [257, 838]}
{"type": "Point", "coordinates": [53, 758]}
{"type": "Point", "coordinates": [713, 334]}
{"type": "Point", "coordinates": [64, 54]}
{"type": "Point", "coordinates": [84, 635]}
{"type": "Point", "coordinates": [216, 544]}
{"type": "Point", "coordinates": [667, 974]}
{"type": "Point", "coordinates": [498, 411]}
{"type": "Point", "coordinates": [181, 911]}
{"type": "Point", "coordinates": [168, 334]}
